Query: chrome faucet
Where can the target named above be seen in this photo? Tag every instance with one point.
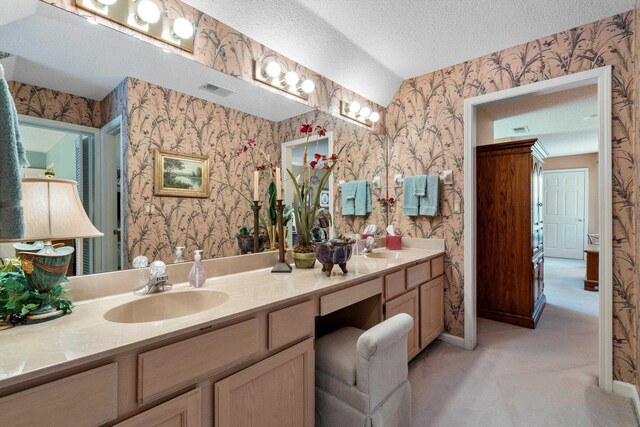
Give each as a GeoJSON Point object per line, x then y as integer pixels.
{"type": "Point", "coordinates": [157, 280]}
{"type": "Point", "coordinates": [369, 244]}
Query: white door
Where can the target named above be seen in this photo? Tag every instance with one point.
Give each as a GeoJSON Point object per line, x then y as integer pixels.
{"type": "Point", "coordinates": [564, 221]}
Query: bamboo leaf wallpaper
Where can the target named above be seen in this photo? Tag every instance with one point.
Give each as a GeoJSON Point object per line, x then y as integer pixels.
{"type": "Point", "coordinates": [426, 132]}
{"type": "Point", "coordinates": [422, 132]}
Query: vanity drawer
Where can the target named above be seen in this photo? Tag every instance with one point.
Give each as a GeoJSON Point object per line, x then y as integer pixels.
{"type": "Point", "coordinates": [437, 266]}
{"type": "Point", "coordinates": [418, 274]}
{"type": "Point", "coordinates": [86, 399]}
{"type": "Point", "coordinates": [394, 284]}
{"type": "Point", "coordinates": [168, 368]}
{"type": "Point", "coordinates": [290, 324]}
{"type": "Point", "coordinates": [346, 297]}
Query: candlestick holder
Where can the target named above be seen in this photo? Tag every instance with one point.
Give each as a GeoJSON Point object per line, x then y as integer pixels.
{"type": "Point", "coordinates": [256, 225]}
{"type": "Point", "coordinates": [281, 266]}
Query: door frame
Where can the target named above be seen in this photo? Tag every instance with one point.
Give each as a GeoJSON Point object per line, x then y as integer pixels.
{"type": "Point", "coordinates": [586, 197]}
{"type": "Point", "coordinates": [286, 149]}
{"type": "Point", "coordinates": [601, 77]}
{"type": "Point", "coordinates": [95, 205]}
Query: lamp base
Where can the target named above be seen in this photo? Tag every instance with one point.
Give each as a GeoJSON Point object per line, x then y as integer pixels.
{"type": "Point", "coordinates": [282, 267]}
{"type": "Point", "coordinates": [43, 314]}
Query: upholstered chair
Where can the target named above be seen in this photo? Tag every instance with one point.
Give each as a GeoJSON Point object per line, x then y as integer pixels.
{"type": "Point", "coordinates": [361, 376]}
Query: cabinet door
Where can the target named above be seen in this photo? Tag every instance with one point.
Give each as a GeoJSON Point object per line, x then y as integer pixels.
{"type": "Point", "coordinates": [407, 303]}
{"type": "Point", "coordinates": [183, 411]}
{"type": "Point", "coordinates": [538, 279]}
{"type": "Point", "coordinates": [277, 392]}
{"type": "Point", "coordinates": [431, 311]}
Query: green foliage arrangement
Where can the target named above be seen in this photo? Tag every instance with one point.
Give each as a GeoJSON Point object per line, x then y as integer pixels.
{"type": "Point", "coordinates": [17, 299]}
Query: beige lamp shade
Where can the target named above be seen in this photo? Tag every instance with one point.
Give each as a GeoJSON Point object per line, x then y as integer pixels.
{"type": "Point", "coordinates": [53, 211]}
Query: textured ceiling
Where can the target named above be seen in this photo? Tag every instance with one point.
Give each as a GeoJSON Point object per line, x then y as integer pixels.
{"type": "Point", "coordinates": [565, 122]}
{"type": "Point", "coordinates": [370, 46]}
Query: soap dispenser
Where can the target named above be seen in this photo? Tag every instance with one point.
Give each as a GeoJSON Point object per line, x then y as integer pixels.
{"type": "Point", "coordinates": [197, 276]}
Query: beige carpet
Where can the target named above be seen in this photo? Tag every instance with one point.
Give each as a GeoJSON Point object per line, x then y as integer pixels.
{"type": "Point", "coordinates": [519, 376]}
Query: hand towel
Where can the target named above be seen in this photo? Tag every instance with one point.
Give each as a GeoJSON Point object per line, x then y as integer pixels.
{"type": "Point", "coordinates": [12, 158]}
{"type": "Point", "coordinates": [363, 198]}
{"type": "Point", "coordinates": [429, 202]}
{"type": "Point", "coordinates": [348, 190]}
{"type": "Point", "coordinates": [409, 198]}
{"type": "Point", "coordinates": [420, 185]}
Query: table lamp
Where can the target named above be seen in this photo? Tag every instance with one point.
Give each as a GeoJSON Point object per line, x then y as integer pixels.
{"type": "Point", "coordinates": [52, 211]}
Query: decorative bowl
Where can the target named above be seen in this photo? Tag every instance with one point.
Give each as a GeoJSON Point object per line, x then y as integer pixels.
{"type": "Point", "coordinates": [332, 252]}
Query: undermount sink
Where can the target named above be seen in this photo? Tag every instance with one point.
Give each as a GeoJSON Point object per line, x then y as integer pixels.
{"type": "Point", "coordinates": [165, 306]}
{"type": "Point", "coordinates": [386, 255]}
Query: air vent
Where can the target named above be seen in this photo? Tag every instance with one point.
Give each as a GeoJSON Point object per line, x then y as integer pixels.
{"type": "Point", "coordinates": [521, 129]}
{"type": "Point", "coordinates": [220, 91]}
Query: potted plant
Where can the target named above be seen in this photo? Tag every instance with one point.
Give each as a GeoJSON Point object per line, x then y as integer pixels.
{"type": "Point", "coordinates": [245, 240]}
{"type": "Point", "coordinates": [306, 201]}
{"type": "Point", "coordinates": [17, 298]}
{"type": "Point", "coordinates": [331, 252]}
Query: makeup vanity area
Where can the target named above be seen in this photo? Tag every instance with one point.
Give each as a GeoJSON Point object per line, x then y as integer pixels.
{"type": "Point", "coordinates": [256, 335]}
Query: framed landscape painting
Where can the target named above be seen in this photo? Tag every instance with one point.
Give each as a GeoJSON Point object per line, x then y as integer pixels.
{"type": "Point", "coordinates": [181, 175]}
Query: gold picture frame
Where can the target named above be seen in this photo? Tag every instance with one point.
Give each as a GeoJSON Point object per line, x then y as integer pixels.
{"type": "Point", "coordinates": [181, 175]}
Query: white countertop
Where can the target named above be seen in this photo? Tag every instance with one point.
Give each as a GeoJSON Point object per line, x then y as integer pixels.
{"type": "Point", "coordinates": [30, 351]}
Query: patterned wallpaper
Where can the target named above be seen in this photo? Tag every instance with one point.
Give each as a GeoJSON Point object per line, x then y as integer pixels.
{"type": "Point", "coordinates": [362, 159]}
{"type": "Point", "coordinates": [54, 105]}
{"type": "Point", "coordinates": [425, 127]}
{"type": "Point", "coordinates": [219, 46]}
{"type": "Point", "coordinates": [164, 119]}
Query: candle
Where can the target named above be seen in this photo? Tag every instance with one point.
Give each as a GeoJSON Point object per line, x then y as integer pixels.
{"type": "Point", "coordinates": [256, 191]}
{"type": "Point", "coordinates": [278, 185]}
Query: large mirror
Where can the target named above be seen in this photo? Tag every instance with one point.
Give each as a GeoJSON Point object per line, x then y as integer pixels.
{"type": "Point", "coordinates": [96, 105]}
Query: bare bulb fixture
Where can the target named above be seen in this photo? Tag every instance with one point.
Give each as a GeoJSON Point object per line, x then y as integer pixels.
{"type": "Point", "coordinates": [354, 107]}
{"type": "Point", "coordinates": [183, 28]}
{"type": "Point", "coordinates": [273, 69]}
{"type": "Point", "coordinates": [106, 2]}
{"type": "Point", "coordinates": [365, 112]}
{"type": "Point", "coordinates": [291, 78]}
{"type": "Point", "coordinates": [308, 86]}
{"type": "Point", "coordinates": [148, 11]}
{"type": "Point", "coordinates": [374, 117]}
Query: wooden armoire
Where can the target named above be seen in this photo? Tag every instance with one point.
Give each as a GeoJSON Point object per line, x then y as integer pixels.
{"type": "Point", "coordinates": [510, 258]}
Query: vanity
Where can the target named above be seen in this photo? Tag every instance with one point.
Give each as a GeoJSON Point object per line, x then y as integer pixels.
{"type": "Point", "coordinates": [239, 352]}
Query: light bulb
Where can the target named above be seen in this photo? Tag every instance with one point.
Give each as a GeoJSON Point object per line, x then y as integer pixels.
{"type": "Point", "coordinates": [364, 113]}
{"type": "Point", "coordinates": [273, 69]}
{"type": "Point", "coordinates": [374, 117]}
{"type": "Point", "coordinates": [148, 11]}
{"type": "Point", "coordinates": [291, 78]}
{"type": "Point", "coordinates": [308, 86]}
{"type": "Point", "coordinates": [354, 107]}
{"type": "Point", "coordinates": [107, 2]}
{"type": "Point", "coordinates": [183, 28]}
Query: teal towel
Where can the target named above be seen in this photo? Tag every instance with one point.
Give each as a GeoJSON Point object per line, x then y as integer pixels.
{"type": "Point", "coordinates": [420, 189]}
{"type": "Point", "coordinates": [348, 190]}
{"type": "Point", "coordinates": [429, 202]}
{"type": "Point", "coordinates": [12, 158]}
{"type": "Point", "coordinates": [409, 198]}
{"type": "Point", "coordinates": [363, 198]}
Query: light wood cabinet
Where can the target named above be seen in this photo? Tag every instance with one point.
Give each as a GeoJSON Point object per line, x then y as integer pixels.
{"type": "Point", "coordinates": [407, 303]}
{"type": "Point", "coordinates": [422, 299]}
{"type": "Point", "coordinates": [85, 399]}
{"type": "Point", "coordinates": [277, 392]}
{"type": "Point", "coordinates": [183, 411]}
{"type": "Point", "coordinates": [431, 310]}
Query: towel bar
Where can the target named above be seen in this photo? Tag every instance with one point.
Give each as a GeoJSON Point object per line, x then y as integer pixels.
{"type": "Point", "coordinates": [446, 177]}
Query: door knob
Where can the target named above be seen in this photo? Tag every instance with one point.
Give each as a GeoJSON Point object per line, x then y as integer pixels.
{"type": "Point", "coordinates": [579, 219]}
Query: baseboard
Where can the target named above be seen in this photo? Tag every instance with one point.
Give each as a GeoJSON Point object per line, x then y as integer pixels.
{"type": "Point", "coordinates": [627, 390]}
{"type": "Point", "coordinates": [452, 339]}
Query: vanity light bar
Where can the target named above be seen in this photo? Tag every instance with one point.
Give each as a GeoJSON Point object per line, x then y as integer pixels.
{"type": "Point", "coordinates": [146, 17]}
{"type": "Point", "coordinates": [271, 74]}
{"type": "Point", "coordinates": [362, 115]}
